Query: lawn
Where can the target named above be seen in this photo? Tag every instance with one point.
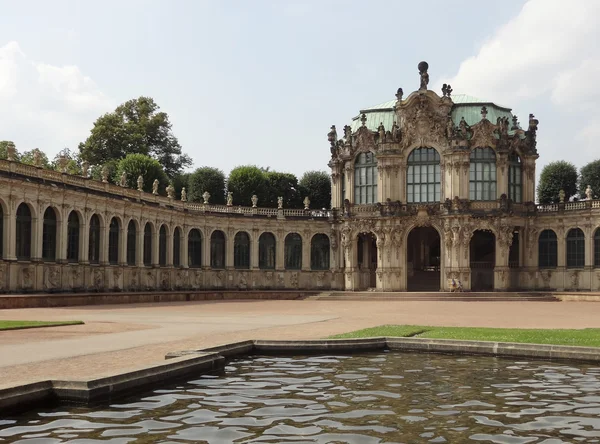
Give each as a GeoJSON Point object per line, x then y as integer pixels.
{"type": "Point", "coordinates": [587, 337]}
{"type": "Point", "coordinates": [18, 325]}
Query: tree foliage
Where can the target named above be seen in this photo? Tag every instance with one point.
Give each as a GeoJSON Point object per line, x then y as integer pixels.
{"type": "Point", "coordinates": [135, 127]}
{"type": "Point", "coordinates": [590, 175]}
{"type": "Point", "coordinates": [3, 150]}
{"type": "Point", "coordinates": [207, 179]}
{"type": "Point", "coordinates": [282, 185]}
{"type": "Point", "coordinates": [556, 176]}
{"type": "Point", "coordinates": [317, 186]}
{"type": "Point", "coordinates": [73, 161]}
{"type": "Point", "coordinates": [181, 181]}
{"type": "Point", "coordinates": [244, 182]}
{"type": "Point", "coordinates": [28, 158]}
{"type": "Point", "coordinates": [135, 165]}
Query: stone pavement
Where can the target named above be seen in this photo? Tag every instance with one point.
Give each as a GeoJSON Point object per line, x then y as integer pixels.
{"type": "Point", "coordinates": [122, 337]}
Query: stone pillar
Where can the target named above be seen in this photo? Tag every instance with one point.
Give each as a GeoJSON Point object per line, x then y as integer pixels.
{"type": "Point", "coordinates": [306, 242]}
{"type": "Point", "coordinates": [280, 251]}
{"type": "Point", "coordinates": [10, 233]}
{"type": "Point", "coordinates": [501, 270]}
{"type": "Point", "coordinates": [61, 238]}
{"type": "Point", "coordinates": [84, 242]}
{"type": "Point", "coordinates": [139, 246]}
{"type": "Point", "coordinates": [351, 271]}
{"type": "Point", "coordinates": [184, 260]}
{"type": "Point", "coordinates": [229, 247]}
{"type": "Point", "coordinates": [104, 230]}
{"type": "Point", "coordinates": [254, 265]}
{"type": "Point", "coordinates": [37, 230]}
{"type": "Point", "coordinates": [501, 175]}
{"type": "Point", "coordinates": [122, 244]}
{"type": "Point", "coordinates": [206, 251]}
{"type": "Point", "coordinates": [349, 170]}
{"type": "Point", "coordinates": [170, 238]}
{"type": "Point", "coordinates": [155, 241]}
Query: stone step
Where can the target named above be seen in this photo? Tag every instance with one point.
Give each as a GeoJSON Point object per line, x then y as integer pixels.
{"type": "Point", "coordinates": [434, 296]}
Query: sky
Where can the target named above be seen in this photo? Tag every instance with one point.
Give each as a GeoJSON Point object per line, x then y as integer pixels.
{"type": "Point", "coordinates": [261, 82]}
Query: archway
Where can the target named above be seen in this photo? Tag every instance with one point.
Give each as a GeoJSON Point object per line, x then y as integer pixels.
{"type": "Point", "coordinates": [483, 260]}
{"type": "Point", "coordinates": [423, 253]}
{"type": "Point", "coordinates": [367, 260]}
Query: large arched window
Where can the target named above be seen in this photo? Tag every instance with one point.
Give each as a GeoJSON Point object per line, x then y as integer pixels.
{"type": "Point", "coordinates": [131, 243]}
{"type": "Point", "coordinates": [241, 250]}
{"type": "Point", "coordinates": [547, 249]}
{"type": "Point", "coordinates": [73, 237]}
{"type": "Point", "coordinates": [515, 183]}
{"type": "Point", "coordinates": [49, 235]}
{"type": "Point", "coordinates": [94, 240]}
{"type": "Point", "coordinates": [266, 251]}
{"type": "Point", "coordinates": [597, 248]}
{"type": "Point", "coordinates": [423, 176]}
{"type": "Point", "coordinates": [23, 233]}
{"type": "Point", "coordinates": [113, 242]}
{"type": "Point", "coordinates": [148, 245]}
{"type": "Point", "coordinates": [482, 174]}
{"type": "Point", "coordinates": [195, 248]}
{"type": "Point", "coordinates": [575, 248]}
{"type": "Point", "coordinates": [319, 252]}
{"type": "Point", "coordinates": [365, 179]}
{"type": "Point", "coordinates": [177, 247]}
{"type": "Point", "coordinates": [217, 249]}
{"type": "Point", "coordinates": [162, 246]}
{"type": "Point", "coordinates": [293, 251]}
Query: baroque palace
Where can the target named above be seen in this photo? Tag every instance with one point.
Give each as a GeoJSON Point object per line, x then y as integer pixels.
{"type": "Point", "coordinates": [427, 191]}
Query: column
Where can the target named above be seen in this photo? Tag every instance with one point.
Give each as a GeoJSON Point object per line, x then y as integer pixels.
{"type": "Point", "coordinates": [280, 252]}
{"type": "Point", "coordinates": [170, 238]}
{"type": "Point", "coordinates": [206, 249]}
{"type": "Point", "coordinates": [104, 242]}
{"type": "Point", "coordinates": [37, 230]}
{"type": "Point", "coordinates": [254, 265]}
{"type": "Point", "coordinates": [350, 183]}
{"type": "Point", "coordinates": [184, 260]}
{"type": "Point", "coordinates": [139, 245]}
{"type": "Point", "coordinates": [155, 241]}
{"type": "Point", "coordinates": [122, 245]}
{"type": "Point", "coordinates": [501, 175]}
{"type": "Point", "coordinates": [61, 239]}
{"type": "Point", "coordinates": [84, 243]}
{"type": "Point", "coordinates": [306, 243]}
{"type": "Point", "coordinates": [10, 232]}
{"type": "Point", "coordinates": [229, 246]}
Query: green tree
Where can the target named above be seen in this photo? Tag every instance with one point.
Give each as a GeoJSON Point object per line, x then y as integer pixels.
{"type": "Point", "coordinates": [245, 181]}
{"type": "Point", "coordinates": [282, 185]}
{"type": "Point", "coordinates": [181, 181]}
{"type": "Point", "coordinates": [556, 176]}
{"type": "Point", "coordinates": [317, 186]}
{"type": "Point", "coordinates": [3, 152]}
{"type": "Point", "coordinates": [28, 158]}
{"type": "Point", "coordinates": [73, 161]}
{"type": "Point", "coordinates": [135, 165]}
{"type": "Point", "coordinates": [135, 127]}
{"type": "Point", "coordinates": [207, 179]}
{"type": "Point", "coordinates": [590, 175]}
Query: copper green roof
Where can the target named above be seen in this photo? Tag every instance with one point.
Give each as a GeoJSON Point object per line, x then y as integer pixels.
{"type": "Point", "coordinates": [465, 106]}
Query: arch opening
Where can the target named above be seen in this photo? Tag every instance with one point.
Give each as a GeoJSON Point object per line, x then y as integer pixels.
{"type": "Point", "coordinates": [482, 249]}
{"type": "Point", "coordinates": [423, 259]}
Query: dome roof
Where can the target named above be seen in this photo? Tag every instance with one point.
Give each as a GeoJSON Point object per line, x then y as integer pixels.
{"type": "Point", "coordinates": [465, 106]}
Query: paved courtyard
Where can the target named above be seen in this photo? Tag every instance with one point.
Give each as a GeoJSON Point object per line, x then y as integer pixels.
{"type": "Point", "coordinates": [120, 337]}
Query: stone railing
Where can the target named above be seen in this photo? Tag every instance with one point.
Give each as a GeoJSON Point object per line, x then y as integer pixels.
{"type": "Point", "coordinates": [484, 205]}
{"type": "Point", "coordinates": [568, 206]}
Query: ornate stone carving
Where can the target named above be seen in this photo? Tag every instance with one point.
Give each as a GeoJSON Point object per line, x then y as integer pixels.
{"type": "Point", "coordinates": [117, 277]}
{"type": "Point", "coordinates": [123, 180]}
{"type": "Point", "coordinates": [306, 203]}
{"type": "Point", "coordinates": [165, 280]}
{"type": "Point", "coordinates": [546, 275]}
{"type": "Point", "coordinates": [254, 200]}
{"type": "Point", "coordinates": [104, 174]}
{"type": "Point", "coordinates": [423, 67]}
{"type": "Point", "coordinates": [588, 193]}
{"type": "Point", "coordinates": [11, 152]}
{"type": "Point", "coordinates": [320, 279]}
{"type": "Point", "coordinates": [51, 278]}
{"type": "Point", "coordinates": [574, 276]}
{"type": "Point", "coordinates": [2, 276]}
{"type": "Point", "coordinates": [85, 167]}
{"type": "Point", "coordinates": [483, 134]}
{"type": "Point", "coordinates": [97, 280]}
{"type": "Point", "coordinates": [294, 279]}
{"type": "Point", "coordinates": [26, 278]}
{"type": "Point", "coordinates": [140, 183]}
{"type": "Point", "coordinates": [229, 199]}
{"type": "Point", "coordinates": [170, 191]}
{"type": "Point", "coordinates": [183, 195]}
{"type": "Point", "coordinates": [279, 202]}
{"type": "Point", "coordinates": [446, 90]}
{"type": "Point", "coordinates": [155, 187]}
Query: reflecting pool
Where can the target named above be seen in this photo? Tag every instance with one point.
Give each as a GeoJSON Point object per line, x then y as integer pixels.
{"type": "Point", "coordinates": [372, 398]}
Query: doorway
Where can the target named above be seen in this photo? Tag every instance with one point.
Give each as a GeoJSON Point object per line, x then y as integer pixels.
{"type": "Point", "coordinates": [367, 260]}
{"type": "Point", "coordinates": [423, 253]}
{"type": "Point", "coordinates": [483, 260]}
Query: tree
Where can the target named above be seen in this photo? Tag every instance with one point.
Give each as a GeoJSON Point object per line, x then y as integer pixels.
{"type": "Point", "coordinates": [590, 175]}
{"type": "Point", "coordinates": [28, 158]}
{"type": "Point", "coordinates": [181, 181]}
{"type": "Point", "coordinates": [244, 182]}
{"type": "Point", "coordinates": [135, 165]}
{"type": "Point", "coordinates": [317, 186]}
{"type": "Point", "coordinates": [282, 185]}
{"type": "Point", "coordinates": [207, 179]}
{"type": "Point", "coordinates": [135, 127]}
{"type": "Point", "coordinates": [73, 161]}
{"type": "Point", "coordinates": [556, 176]}
{"type": "Point", "coordinates": [3, 150]}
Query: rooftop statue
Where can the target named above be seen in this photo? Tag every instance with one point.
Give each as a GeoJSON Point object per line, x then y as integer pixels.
{"type": "Point", "coordinates": [423, 67]}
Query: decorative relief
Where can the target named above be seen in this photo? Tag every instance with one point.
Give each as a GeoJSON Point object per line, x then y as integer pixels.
{"type": "Point", "coordinates": [3, 275]}
{"type": "Point", "coordinates": [294, 279]}
{"type": "Point", "coordinates": [574, 277]}
{"type": "Point", "coordinates": [26, 278]}
{"type": "Point", "coordinates": [97, 280]}
{"type": "Point", "coordinates": [165, 280]}
{"type": "Point", "coordinates": [243, 281]}
{"type": "Point", "coordinates": [546, 275]}
{"type": "Point", "coordinates": [320, 279]}
{"type": "Point", "coordinates": [51, 278]}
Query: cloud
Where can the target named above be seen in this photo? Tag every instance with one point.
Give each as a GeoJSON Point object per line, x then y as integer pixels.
{"type": "Point", "coordinates": [46, 106]}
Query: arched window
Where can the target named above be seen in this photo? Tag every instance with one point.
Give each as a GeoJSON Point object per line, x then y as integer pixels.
{"type": "Point", "coordinates": [162, 246]}
{"type": "Point", "coordinates": [113, 242]}
{"type": "Point", "coordinates": [365, 179]}
{"type": "Point", "coordinates": [131, 243]}
{"type": "Point", "coordinates": [195, 248]}
{"type": "Point", "coordinates": [1, 232]}
{"type": "Point", "coordinates": [266, 251]}
{"type": "Point", "coordinates": [482, 174]}
{"type": "Point", "coordinates": [241, 250]}
{"type": "Point", "coordinates": [423, 176]}
{"type": "Point", "coordinates": [23, 233]}
{"type": "Point", "coordinates": [217, 249]}
{"type": "Point", "coordinates": [49, 235]}
{"type": "Point", "coordinates": [73, 237]}
{"type": "Point", "coordinates": [177, 247]}
{"type": "Point", "coordinates": [319, 252]}
{"type": "Point", "coordinates": [148, 245]}
{"type": "Point", "coordinates": [575, 248]}
{"type": "Point", "coordinates": [515, 187]}
{"type": "Point", "coordinates": [597, 248]}
{"type": "Point", "coordinates": [94, 240]}
{"type": "Point", "coordinates": [547, 249]}
{"type": "Point", "coordinates": [293, 252]}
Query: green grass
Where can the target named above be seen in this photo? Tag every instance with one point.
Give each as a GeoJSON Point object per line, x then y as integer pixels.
{"type": "Point", "coordinates": [18, 325]}
{"type": "Point", "coordinates": [587, 337]}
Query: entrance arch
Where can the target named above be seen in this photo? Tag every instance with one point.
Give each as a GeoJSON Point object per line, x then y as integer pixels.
{"type": "Point", "coordinates": [423, 259]}
{"type": "Point", "coordinates": [367, 260]}
{"type": "Point", "coordinates": [482, 251]}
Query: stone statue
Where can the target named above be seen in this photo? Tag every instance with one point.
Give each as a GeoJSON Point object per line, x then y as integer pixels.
{"type": "Point", "coordinates": [155, 187]}
{"type": "Point", "coordinates": [484, 112]}
{"type": "Point", "coordinates": [347, 133]}
{"type": "Point", "coordinates": [85, 166]}
{"type": "Point", "coordinates": [588, 193]}
{"type": "Point", "coordinates": [306, 203]}
{"type": "Point", "coordinates": [104, 174]}
{"type": "Point", "coordinates": [62, 163]}
{"type": "Point", "coordinates": [515, 121]}
{"type": "Point", "coordinates": [561, 196]}
{"type": "Point", "coordinates": [254, 200]}
{"type": "Point", "coordinates": [399, 94]}
{"type": "Point", "coordinates": [123, 182]}
{"type": "Point", "coordinates": [381, 131]}
{"type": "Point", "coordinates": [450, 128]}
{"type": "Point", "coordinates": [464, 128]}
{"type": "Point", "coordinates": [183, 195]}
{"type": "Point", "coordinates": [332, 136]}
{"type": "Point", "coordinates": [229, 199]}
{"type": "Point", "coordinates": [446, 90]}
{"type": "Point", "coordinates": [423, 67]}
{"type": "Point", "coordinates": [11, 152]}
{"type": "Point", "coordinates": [37, 158]}
{"type": "Point", "coordinates": [140, 183]}
{"type": "Point", "coordinates": [171, 191]}
{"type": "Point", "coordinates": [206, 197]}
{"type": "Point", "coordinates": [280, 202]}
